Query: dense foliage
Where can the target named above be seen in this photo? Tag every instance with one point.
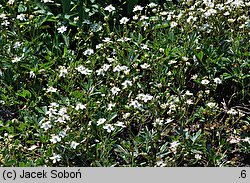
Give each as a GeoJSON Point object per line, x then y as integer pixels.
{"type": "Point", "coordinates": [92, 83]}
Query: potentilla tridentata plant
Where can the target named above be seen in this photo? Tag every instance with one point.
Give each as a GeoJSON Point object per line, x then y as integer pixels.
{"type": "Point", "coordinates": [163, 85]}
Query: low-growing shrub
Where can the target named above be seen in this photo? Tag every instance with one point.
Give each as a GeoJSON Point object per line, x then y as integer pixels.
{"type": "Point", "coordinates": [84, 85]}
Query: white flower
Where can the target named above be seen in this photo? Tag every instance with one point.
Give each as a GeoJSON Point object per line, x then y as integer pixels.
{"type": "Point", "coordinates": [109, 8]}
{"type": "Point", "coordinates": [110, 60]}
{"type": "Point", "coordinates": [152, 5]}
{"type": "Point", "coordinates": [3, 16]}
{"type": "Point", "coordinates": [16, 59]}
{"type": "Point", "coordinates": [145, 66]}
{"type": "Point", "coordinates": [173, 24]}
{"type": "Point", "coordinates": [207, 92]}
{"type": "Point", "coordinates": [174, 144]}
{"type": "Point", "coordinates": [80, 106]}
{"type": "Point", "coordinates": [101, 121]}
{"type": "Point", "coordinates": [119, 68]}
{"type": "Point", "coordinates": [147, 97]}
{"type": "Point", "coordinates": [135, 104]}
{"type": "Point", "coordinates": [100, 72]}
{"type": "Point", "coordinates": [197, 156]}
{"type": "Point", "coordinates": [107, 40]}
{"type": "Point", "coordinates": [63, 71]}
{"type": "Point", "coordinates": [105, 67]}
{"type": "Point", "coordinates": [144, 47]}
{"type": "Point", "coordinates": [89, 52]}
{"type": "Point", "coordinates": [163, 13]}
{"type": "Point", "coordinates": [210, 12]}
{"type": "Point", "coordinates": [185, 59]}
{"type": "Point", "coordinates": [211, 105]}
{"type": "Point", "coordinates": [98, 46]}
{"type": "Point", "coordinates": [5, 23]}
{"type": "Point", "coordinates": [189, 102]}
{"type": "Point", "coordinates": [17, 44]}
{"type": "Point", "coordinates": [109, 128]}
{"type": "Point", "coordinates": [10, 2]}
{"type": "Point", "coordinates": [172, 61]}
{"type": "Point", "coordinates": [115, 90]}
{"type": "Point", "coordinates": [51, 112]}
{"type": "Point", "coordinates": [62, 111]}
{"type": "Point", "coordinates": [124, 20]}
{"type": "Point", "coordinates": [47, 125]}
{"type": "Point", "coordinates": [226, 13]}
{"type": "Point", "coordinates": [241, 114]}
{"type": "Point", "coordinates": [120, 124]}
{"type": "Point", "coordinates": [55, 138]}
{"type": "Point", "coordinates": [205, 81]}
{"type": "Point", "coordinates": [143, 17]}
{"type": "Point", "coordinates": [144, 97]}
{"type": "Point", "coordinates": [60, 120]}
{"type": "Point", "coordinates": [51, 89]}
{"type": "Point", "coordinates": [110, 106]}
{"type": "Point", "coordinates": [47, 1]}
{"type": "Point", "coordinates": [74, 144]}
{"type": "Point", "coordinates": [135, 17]}
{"type": "Point", "coordinates": [32, 74]}
{"type": "Point", "coordinates": [126, 83]}
{"type": "Point", "coordinates": [62, 133]}
{"type": "Point", "coordinates": [96, 27]}
{"type": "Point", "coordinates": [21, 17]}
{"type": "Point", "coordinates": [231, 20]}
{"type": "Point", "coordinates": [54, 105]}
{"type": "Point", "coordinates": [123, 39]}
{"type": "Point", "coordinates": [76, 19]}
{"type": "Point", "coordinates": [237, 3]}
{"type": "Point", "coordinates": [234, 140]}
{"type": "Point", "coordinates": [126, 115]}
{"type": "Point", "coordinates": [194, 77]}
{"type": "Point", "coordinates": [247, 139]}
{"type": "Point", "coordinates": [62, 29]}
{"type": "Point", "coordinates": [160, 163]}
{"type": "Point", "coordinates": [217, 80]}
{"type": "Point", "coordinates": [188, 93]}
{"type": "Point", "coordinates": [32, 147]}
{"type": "Point", "coordinates": [83, 70]}
{"type": "Point", "coordinates": [55, 158]}
{"type": "Point", "coordinates": [158, 121]}
{"type": "Point", "coordinates": [137, 8]}
{"type": "Point", "coordinates": [168, 121]}
{"type": "Point", "coordinates": [232, 112]}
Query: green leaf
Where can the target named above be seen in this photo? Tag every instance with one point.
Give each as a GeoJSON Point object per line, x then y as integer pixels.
{"type": "Point", "coordinates": [161, 26]}
{"type": "Point", "coordinates": [113, 116]}
{"type": "Point", "coordinates": [200, 55]}
{"type": "Point", "coordinates": [40, 161]}
{"type": "Point", "coordinates": [66, 6]}
{"type": "Point", "coordinates": [22, 164]}
{"type": "Point", "coordinates": [24, 93]}
{"type": "Point", "coordinates": [22, 8]}
{"type": "Point", "coordinates": [171, 36]}
{"type": "Point", "coordinates": [66, 40]}
{"type": "Point", "coordinates": [39, 110]}
{"type": "Point", "coordinates": [10, 162]}
{"type": "Point", "coordinates": [227, 75]}
{"type": "Point", "coordinates": [193, 138]}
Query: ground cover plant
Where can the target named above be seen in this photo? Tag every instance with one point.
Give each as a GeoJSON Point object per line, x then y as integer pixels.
{"type": "Point", "coordinates": [85, 84]}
